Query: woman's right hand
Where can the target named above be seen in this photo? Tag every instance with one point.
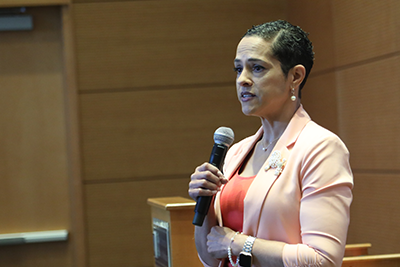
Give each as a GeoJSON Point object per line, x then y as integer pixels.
{"type": "Point", "coordinates": [206, 181]}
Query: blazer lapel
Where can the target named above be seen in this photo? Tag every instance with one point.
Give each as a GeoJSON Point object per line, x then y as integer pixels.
{"type": "Point", "coordinates": [234, 162]}
{"type": "Point", "coordinates": [259, 189]}
{"type": "Point", "coordinates": [268, 174]}
{"type": "Point", "coordinates": [240, 155]}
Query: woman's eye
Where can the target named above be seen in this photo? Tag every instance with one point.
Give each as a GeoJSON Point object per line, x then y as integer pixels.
{"type": "Point", "coordinates": [238, 70]}
{"type": "Point", "coordinates": [258, 68]}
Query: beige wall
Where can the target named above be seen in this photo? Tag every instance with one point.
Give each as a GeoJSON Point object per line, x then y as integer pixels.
{"type": "Point", "coordinates": [354, 91]}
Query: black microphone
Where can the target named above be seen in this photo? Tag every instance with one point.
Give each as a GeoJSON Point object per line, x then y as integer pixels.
{"type": "Point", "coordinates": [223, 138]}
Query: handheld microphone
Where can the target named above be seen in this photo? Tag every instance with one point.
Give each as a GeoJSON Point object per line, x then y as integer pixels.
{"type": "Point", "coordinates": [223, 138]}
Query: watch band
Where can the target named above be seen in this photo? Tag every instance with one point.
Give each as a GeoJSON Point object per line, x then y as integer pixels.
{"type": "Point", "coordinates": [245, 257]}
{"type": "Point", "coordinates": [248, 245]}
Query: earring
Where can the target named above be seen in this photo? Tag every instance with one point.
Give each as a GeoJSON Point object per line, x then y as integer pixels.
{"type": "Point", "coordinates": [293, 97]}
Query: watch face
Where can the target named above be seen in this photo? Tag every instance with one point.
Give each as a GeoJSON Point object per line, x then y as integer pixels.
{"type": "Point", "coordinates": [245, 259]}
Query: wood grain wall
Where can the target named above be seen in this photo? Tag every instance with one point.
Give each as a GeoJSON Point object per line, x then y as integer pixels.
{"type": "Point", "coordinates": [155, 81]}
{"type": "Point", "coordinates": [30, 3]}
{"type": "Point", "coordinates": [34, 190]}
{"type": "Point", "coordinates": [354, 91]}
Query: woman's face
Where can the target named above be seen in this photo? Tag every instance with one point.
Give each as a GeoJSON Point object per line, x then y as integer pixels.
{"type": "Point", "coordinates": [262, 88]}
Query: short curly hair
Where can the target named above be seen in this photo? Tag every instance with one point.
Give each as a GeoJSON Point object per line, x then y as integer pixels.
{"type": "Point", "coordinates": [290, 45]}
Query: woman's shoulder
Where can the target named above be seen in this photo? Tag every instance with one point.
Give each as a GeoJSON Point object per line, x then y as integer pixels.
{"type": "Point", "coordinates": [313, 128]}
{"type": "Point", "coordinates": [314, 134]}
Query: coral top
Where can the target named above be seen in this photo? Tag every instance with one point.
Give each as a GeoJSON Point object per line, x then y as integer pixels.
{"type": "Point", "coordinates": [232, 201]}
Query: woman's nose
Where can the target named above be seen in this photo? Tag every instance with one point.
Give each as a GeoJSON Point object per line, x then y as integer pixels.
{"type": "Point", "coordinates": [244, 79]}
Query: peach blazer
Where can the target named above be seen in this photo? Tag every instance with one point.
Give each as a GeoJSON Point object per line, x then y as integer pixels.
{"type": "Point", "coordinates": [305, 199]}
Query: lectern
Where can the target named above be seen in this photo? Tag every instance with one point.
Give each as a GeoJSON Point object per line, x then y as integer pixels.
{"type": "Point", "coordinates": [173, 232]}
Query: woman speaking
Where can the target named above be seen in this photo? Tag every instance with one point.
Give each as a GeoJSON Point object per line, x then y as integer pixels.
{"type": "Point", "coordinates": [284, 196]}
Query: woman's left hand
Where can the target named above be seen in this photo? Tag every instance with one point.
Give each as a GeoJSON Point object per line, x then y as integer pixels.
{"type": "Point", "coordinates": [218, 241]}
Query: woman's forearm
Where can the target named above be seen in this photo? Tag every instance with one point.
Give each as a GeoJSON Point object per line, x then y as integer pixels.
{"type": "Point", "coordinates": [201, 238]}
{"type": "Point", "coordinates": [264, 252]}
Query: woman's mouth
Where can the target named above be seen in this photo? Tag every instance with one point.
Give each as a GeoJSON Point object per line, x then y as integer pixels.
{"type": "Point", "coordinates": [245, 96]}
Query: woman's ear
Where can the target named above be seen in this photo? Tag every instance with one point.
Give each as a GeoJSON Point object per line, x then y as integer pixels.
{"type": "Point", "coordinates": [299, 73]}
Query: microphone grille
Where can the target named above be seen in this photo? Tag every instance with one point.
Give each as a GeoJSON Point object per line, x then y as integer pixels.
{"type": "Point", "coordinates": [224, 136]}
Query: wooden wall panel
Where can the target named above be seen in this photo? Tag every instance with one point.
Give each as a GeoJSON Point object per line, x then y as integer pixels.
{"type": "Point", "coordinates": [163, 43]}
{"type": "Point", "coordinates": [17, 3]}
{"type": "Point", "coordinates": [40, 255]}
{"type": "Point", "coordinates": [34, 192]}
{"type": "Point", "coordinates": [99, 1]}
{"type": "Point", "coordinates": [77, 237]}
{"type": "Point", "coordinates": [369, 119]}
{"type": "Point", "coordinates": [375, 212]}
{"type": "Point", "coordinates": [34, 189]}
{"type": "Point", "coordinates": [367, 77]}
{"type": "Point", "coordinates": [33, 167]}
{"type": "Point", "coordinates": [156, 132]}
{"type": "Point", "coordinates": [365, 29]}
{"type": "Point", "coordinates": [319, 99]}
{"type": "Point", "coordinates": [119, 220]}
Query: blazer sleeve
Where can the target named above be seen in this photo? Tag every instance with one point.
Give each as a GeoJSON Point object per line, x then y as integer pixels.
{"type": "Point", "coordinates": [326, 183]}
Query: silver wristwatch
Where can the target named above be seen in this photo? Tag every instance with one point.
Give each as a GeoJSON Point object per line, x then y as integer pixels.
{"type": "Point", "coordinates": [245, 257]}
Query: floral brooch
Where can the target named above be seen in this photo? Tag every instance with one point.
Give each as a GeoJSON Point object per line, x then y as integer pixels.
{"type": "Point", "coordinates": [276, 162]}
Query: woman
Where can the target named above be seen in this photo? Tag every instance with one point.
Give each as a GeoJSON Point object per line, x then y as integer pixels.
{"type": "Point", "coordinates": [285, 194]}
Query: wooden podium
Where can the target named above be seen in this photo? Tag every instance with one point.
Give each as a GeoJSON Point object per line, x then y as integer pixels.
{"type": "Point", "coordinates": [173, 232]}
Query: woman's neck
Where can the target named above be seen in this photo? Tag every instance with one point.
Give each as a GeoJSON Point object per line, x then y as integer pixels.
{"type": "Point", "coordinates": [274, 128]}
